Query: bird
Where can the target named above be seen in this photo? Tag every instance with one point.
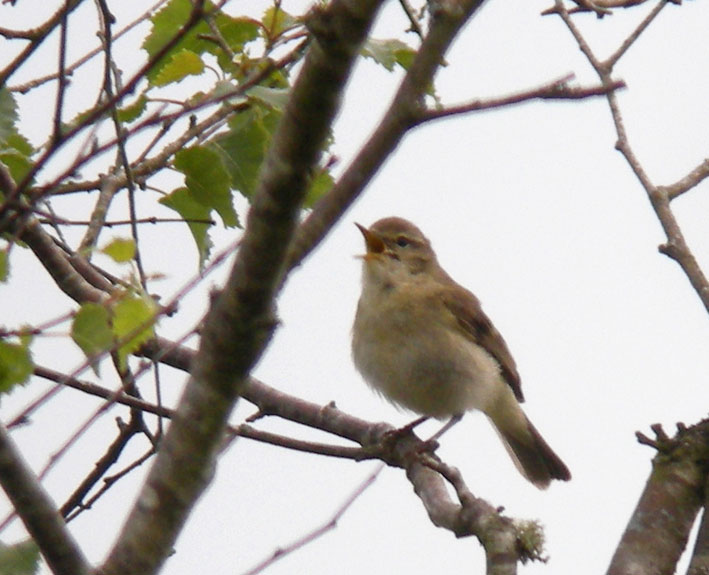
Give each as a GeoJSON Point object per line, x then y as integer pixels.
{"type": "Point", "coordinates": [423, 342]}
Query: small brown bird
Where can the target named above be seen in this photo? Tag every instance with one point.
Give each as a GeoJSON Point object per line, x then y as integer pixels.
{"type": "Point", "coordinates": [424, 343]}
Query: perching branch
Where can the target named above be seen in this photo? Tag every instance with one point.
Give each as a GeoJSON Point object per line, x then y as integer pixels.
{"type": "Point", "coordinates": [467, 516]}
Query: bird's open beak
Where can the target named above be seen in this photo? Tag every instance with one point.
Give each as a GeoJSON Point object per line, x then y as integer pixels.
{"type": "Point", "coordinates": [374, 243]}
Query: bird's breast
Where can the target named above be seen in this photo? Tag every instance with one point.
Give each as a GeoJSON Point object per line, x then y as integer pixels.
{"type": "Point", "coordinates": [410, 350]}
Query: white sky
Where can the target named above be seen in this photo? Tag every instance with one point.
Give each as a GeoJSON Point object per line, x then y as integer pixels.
{"type": "Point", "coordinates": [533, 210]}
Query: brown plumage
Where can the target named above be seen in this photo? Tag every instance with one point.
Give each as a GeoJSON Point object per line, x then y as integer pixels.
{"type": "Point", "coordinates": [423, 341]}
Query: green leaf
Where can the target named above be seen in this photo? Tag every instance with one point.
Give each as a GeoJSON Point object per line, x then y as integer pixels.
{"type": "Point", "coordinates": [19, 559]}
{"type": "Point", "coordinates": [8, 114]}
{"type": "Point", "coordinates": [389, 53]}
{"type": "Point", "coordinates": [133, 111]}
{"type": "Point", "coordinates": [133, 318]}
{"type": "Point", "coordinates": [15, 150]}
{"type": "Point", "coordinates": [275, 97]}
{"type": "Point", "coordinates": [15, 364]}
{"type": "Point", "coordinates": [243, 148]}
{"type": "Point", "coordinates": [319, 186]}
{"type": "Point", "coordinates": [15, 153]}
{"type": "Point", "coordinates": [168, 22]}
{"type": "Point", "coordinates": [121, 250]}
{"type": "Point", "coordinates": [183, 64]}
{"type": "Point", "coordinates": [91, 331]}
{"type": "Point", "coordinates": [4, 266]}
{"type": "Point", "coordinates": [183, 203]}
{"type": "Point", "coordinates": [236, 32]}
{"type": "Point", "coordinates": [276, 21]}
{"type": "Point", "coordinates": [208, 180]}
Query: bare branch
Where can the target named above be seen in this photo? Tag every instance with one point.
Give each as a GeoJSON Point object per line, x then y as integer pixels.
{"type": "Point", "coordinates": [469, 516]}
{"type": "Point", "coordinates": [446, 22]}
{"type": "Point", "coordinates": [109, 186]}
{"type": "Point", "coordinates": [101, 467]}
{"type": "Point", "coordinates": [37, 37]}
{"type": "Point", "coordinates": [58, 263]}
{"type": "Point", "coordinates": [700, 555]}
{"type": "Point", "coordinates": [242, 430]}
{"type": "Point", "coordinates": [239, 323]}
{"type": "Point", "coordinates": [676, 247]}
{"type": "Point", "coordinates": [63, 80]}
{"type": "Point", "coordinates": [630, 40]}
{"type": "Point", "coordinates": [320, 531]}
{"type": "Point", "coordinates": [555, 90]}
{"type": "Point", "coordinates": [691, 180]}
{"type": "Point", "coordinates": [657, 532]}
{"type": "Point", "coordinates": [413, 19]}
{"type": "Point", "coordinates": [38, 512]}
{"type": "Point", "coordinates": [30, 34]}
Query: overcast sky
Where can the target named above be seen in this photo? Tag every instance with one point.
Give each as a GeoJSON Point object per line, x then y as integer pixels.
{"type": "Point", "coordinates": [533, 210]}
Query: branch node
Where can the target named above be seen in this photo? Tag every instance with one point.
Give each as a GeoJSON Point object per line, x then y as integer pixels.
{"type": "Point", "coordinates": [662, 442]}
{"type": "Point", "coordinates": [669, 249]}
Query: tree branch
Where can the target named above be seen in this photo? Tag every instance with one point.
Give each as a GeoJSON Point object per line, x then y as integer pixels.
{"type": "Point", "coordinates": [240, 321]}
{"type": "Point", "coordinates": [37, 37]}
{"type": "Point", "coordinates": [676, 247]}
{"type": "Point", "coordinates": [657, 532]}
{"type": "Point", "coordinates": [691, 180]}
{"type": "Point", "coordinates": [700, 555]}
{"type": "Point", "coordinates": [446, 21]}
{"type": "Point", "coordinates": [320, 531]}
{"type": "Point", "coordinates": [469, 516]}
{"type": "Point", "coordinates": [58, 263]}
{"type": "Point", "coordinates": [38, 512]}
{"type": "Point", "coordinates": [555, 90]}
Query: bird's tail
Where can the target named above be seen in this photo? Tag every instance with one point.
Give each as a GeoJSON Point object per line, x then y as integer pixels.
{"type": "Point", "coordinates": [528, 449]}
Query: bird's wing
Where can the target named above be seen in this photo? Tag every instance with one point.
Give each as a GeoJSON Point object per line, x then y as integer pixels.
{"type": "Point", "coordinates": [478, 327]}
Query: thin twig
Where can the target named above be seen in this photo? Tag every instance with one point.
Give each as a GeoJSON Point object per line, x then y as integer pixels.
{"type": "Point", "coordinates": [38, 36]}
{"type": "Point", "coordinates": [108, 482]}
{"type": "Point", "coordinates": [63, 81]}
{"type": "Point", "coordinates": [691, 180]}
{"type": "Point", "coordinates": [75, 503]}
{"type": "Point", "coordinates": [554, 90]}
{"type": "Point", "coordinates": [109, 187]}
{"type": "Point", "coordinates": [30, 34]}
{"type": "Point", "coordinates": [676, 246]}
{"type": "Point", "coordinates": [106, 19]}
{"type": "Point", "coordinates": [413, 19]}
{"type": "Point", "coordinates": [630, 40]}
{"type": "Point", "coordinates": [152, 164]}
{"type": "Point", "coordinates": [112, 223]}
{"type": "Point", "coordinates": [320, 531]}
{"type": "Point", "coordinates": [193, 19]}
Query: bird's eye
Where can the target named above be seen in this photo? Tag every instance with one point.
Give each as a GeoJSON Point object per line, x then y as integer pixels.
{"type": "Point", "coordinates": [402, 242]}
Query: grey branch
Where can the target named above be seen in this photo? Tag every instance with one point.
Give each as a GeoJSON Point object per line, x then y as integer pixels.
{"type": "Point", "coordinates": [240, 322]}
{"type": "Point", "coordinates": [38, 512]}
{"type": "Point", "coordinates": [555, 90]}
{"type": "Point", "coordinates": [446, 22]}
{"type": "Point", "coordinates": [658, 530]}
{"type": "Point", "coordinates": [428, 475]}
